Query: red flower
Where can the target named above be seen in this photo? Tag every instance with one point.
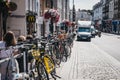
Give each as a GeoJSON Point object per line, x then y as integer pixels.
{"type": "Point", "coordinates": [47, 15]}
{"type": "Point", "coordinates": [53, 14]}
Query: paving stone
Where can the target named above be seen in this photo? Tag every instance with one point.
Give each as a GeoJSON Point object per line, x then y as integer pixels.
{"type": "Point", "coordinates": [89, 64]}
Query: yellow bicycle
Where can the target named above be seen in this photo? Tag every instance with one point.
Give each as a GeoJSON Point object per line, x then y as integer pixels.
{"type": "Point", "coordinates": [42, 64]}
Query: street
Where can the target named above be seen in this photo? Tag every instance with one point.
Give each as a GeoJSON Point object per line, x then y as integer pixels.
{"type": "Point", "coordinates": [95, 60]}
{"type": "Point", "coordinates": [110, 44]}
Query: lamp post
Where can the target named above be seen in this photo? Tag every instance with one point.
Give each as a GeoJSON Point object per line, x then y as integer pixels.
{"type": "Point", "coordinates": [1, 20]}
{"type": "Point", "coordinates": [73, 12]}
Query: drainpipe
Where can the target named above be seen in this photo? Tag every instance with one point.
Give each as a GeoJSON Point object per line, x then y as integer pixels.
{"type": "Point", "coordinates": [4, 17]}
{"type": "Point", "coordinates": [1, 25]}
{"type": "Point", "coordinates": [51, 4]}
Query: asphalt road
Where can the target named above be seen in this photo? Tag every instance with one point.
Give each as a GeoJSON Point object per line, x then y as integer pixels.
{"type": "Point", "coordinates": [110, 43]}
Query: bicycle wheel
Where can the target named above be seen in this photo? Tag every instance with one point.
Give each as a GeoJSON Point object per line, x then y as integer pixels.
{"type": "Point", "coordinates": [56, 56]}
{"type": "Point", "coordinates": [64, 54]}
{"type": "Point", "coordinates": [68, 51]}
{"type": "Point", "coordinates": [42, 73]}
{"type": "Point", "coordinates": [38, 68]}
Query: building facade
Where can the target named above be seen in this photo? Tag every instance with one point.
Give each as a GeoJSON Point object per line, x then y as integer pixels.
{"type": "Point", "coordinates": [97, 14]}
{"type": "Point", "coordinates": [83, 15]}
{"type": "Point", "coordinates": [18, 20]}
{"type": "Point", "coordinates": [110, 15]}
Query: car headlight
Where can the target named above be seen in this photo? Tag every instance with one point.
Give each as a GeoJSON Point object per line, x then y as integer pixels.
{"type": "Point", "coordinates": [89, 35]}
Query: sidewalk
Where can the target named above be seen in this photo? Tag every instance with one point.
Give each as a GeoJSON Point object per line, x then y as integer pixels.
{"type": "Point", "coordinates": [89, 63]}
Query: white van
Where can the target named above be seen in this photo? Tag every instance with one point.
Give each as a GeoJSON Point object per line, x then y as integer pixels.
{"type": "Point", "coordinates": [84, 30]}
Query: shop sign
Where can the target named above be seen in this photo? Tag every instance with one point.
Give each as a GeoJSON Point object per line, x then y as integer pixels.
{"type": "Point", "coordinates": [40, 20]}
{"type": "Point", "coordinates": [31, 18]}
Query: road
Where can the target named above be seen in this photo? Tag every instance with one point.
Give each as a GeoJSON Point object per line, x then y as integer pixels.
{"type": "Point", "coordinates": [110, 43]}
{"type": "Point", "coordinates": [95, 60]}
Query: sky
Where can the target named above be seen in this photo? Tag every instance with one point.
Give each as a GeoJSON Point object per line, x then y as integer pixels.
{"type": "Point", "coordinates": [83, 4]}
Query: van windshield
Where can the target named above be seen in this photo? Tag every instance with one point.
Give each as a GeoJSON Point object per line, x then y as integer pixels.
{"type": "Point", "coordinates": [84, 29]}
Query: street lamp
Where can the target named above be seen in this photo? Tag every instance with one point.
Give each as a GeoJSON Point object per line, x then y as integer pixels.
{"type": "Point", "coordinates": [73, 12]}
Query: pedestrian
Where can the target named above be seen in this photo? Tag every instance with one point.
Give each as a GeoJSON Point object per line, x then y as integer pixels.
{"type": "Point", "coordinates": [6, 67]}
{"type": "Point", "coordinates": [29, 56]}
{"type": "Point", "coordinates": [21, 39]}
{"type": "Point", "coordinates": [29, 37]}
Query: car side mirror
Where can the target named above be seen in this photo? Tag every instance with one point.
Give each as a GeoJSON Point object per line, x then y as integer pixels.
{"type": "Point", "coordinates": [76, 31]}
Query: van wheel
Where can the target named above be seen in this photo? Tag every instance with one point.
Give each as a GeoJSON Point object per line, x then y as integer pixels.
{"type": "Point", "coordinates": [89, 40]}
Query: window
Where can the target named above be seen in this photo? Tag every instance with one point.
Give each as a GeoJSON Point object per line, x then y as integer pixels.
{"type": "Point", "coordinates": [48, 3]}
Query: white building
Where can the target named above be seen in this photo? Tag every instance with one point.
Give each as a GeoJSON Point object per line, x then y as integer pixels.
{"type": "Point", "coordinates": [111, 9]}
{"type": "Point", "coordinates": [71, 15]}
{"type": "Point", "coordinates": [83, 15]}
{"type": "Point", "coordinates": [97, 13]}
{"type": "Point", "coordinates": [63, 8]}
{"type": "Point", "coordinates": [59, 7]}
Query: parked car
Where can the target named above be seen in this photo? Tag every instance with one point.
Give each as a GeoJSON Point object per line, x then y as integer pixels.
{"type": "Point", "coordinates": [93, 32]}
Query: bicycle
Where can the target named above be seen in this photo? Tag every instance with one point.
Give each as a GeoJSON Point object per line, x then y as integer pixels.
{"type": "Point", "coordinates": [42, 60]}
{"type": "Point", "coordinates": [54, 51]}
{"type": "Point", "coordinates": [37, 70]}
{"type": "Point", "coordinates": [25, 75]}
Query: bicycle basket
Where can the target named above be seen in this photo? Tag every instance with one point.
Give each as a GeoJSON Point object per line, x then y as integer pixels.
{"type": "Point", "coordinates": [35, 53]}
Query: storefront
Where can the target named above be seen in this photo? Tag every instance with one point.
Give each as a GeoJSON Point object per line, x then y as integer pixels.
{"type": "Point", "coordinates": [107, 26]}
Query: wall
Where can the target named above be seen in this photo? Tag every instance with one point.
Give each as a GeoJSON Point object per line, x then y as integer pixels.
{"type": "Point", "coordinates": [17, 21]}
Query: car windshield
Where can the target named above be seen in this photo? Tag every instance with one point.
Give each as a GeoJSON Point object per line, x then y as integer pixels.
{"type": "Point", "coordinates": [84, 29]}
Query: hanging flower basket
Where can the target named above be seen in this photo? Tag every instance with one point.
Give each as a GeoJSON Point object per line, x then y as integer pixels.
{"type": "Point", "coordinates": [47, 15]}
{"type": "Point", "coordinates": [57, 18]}
{"type": "Point", "coordinates": [73, 24]}
{"type": "Point", "coordinates": [12, 6]}
{"type": "Point", "coordinates": [67, 22]}
{"type": "Point", "coordinates": [52, 14]}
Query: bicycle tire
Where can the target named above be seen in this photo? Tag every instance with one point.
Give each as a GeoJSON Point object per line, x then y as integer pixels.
{"type": "Point", "coordinates": [69, 51]}
{"type": "Point", "coordinates": [41, 71]}
{"type": "Point", "coordinates": [64, 56]}
{"type": "Point", "coordinates": [57, 56]}
{"type": "Point", "coordinates": [62, 52]}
